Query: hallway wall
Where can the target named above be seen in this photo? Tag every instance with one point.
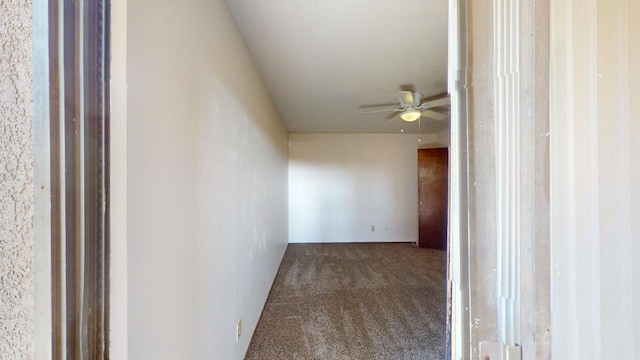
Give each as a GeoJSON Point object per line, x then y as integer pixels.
{"type": "Point", "coordinates": [206, 183]}
{"type": "Point", "coordinates": [595, 189]}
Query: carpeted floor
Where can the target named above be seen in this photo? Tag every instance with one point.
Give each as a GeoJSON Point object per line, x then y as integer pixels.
{"type": "Point", "coordinates": [355, 301]}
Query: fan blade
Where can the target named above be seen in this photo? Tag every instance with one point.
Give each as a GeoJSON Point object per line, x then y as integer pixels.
{"type": "Point", "coordinates": [406, 98]}
{"type": "Point", "coordinates": [377, 111]}
{"type": "Point", "coordinates": [377, 106]}
{"type": "Point", "coordinates": [392, 116]}
{"type": "Point", "coordinates": [434, 115]}
{"type": "Point", "coordinates": [435, 103]}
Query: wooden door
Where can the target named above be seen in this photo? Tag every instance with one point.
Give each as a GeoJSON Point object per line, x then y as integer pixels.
{"type": "Point", "coordinates": [433, 184]}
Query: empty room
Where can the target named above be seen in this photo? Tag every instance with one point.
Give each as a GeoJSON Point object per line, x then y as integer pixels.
{"type": "Point", "coordinates": [364, 273]}
{"type": "Point", "coordinates": [235, 179]}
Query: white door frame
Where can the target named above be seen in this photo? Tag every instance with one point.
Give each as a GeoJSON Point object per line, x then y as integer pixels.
{"type": "Point", "coordinates": [499, 204]}
{"type": "Point", "coordinates": [458, 262]}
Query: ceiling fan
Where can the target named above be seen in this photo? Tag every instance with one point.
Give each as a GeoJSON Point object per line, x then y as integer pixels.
{"type": "Point", "coordinates": [412, 108]}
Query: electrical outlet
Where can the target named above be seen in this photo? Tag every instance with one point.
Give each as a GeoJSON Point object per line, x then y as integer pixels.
{"type": "Point", "coordinates": [238, 330]}
{"type": "Point", "coordinates": [373, 228]}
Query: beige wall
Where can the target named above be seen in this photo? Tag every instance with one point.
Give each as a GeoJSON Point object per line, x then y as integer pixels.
{"type": "Point", "coordinates": [206, 183]}
{"type": "Point", "coordinates": [342, 184]}
{"type": "Point", "coordinates": [595, 125]}
{"type": "Point", "coordinates": [16, 182]}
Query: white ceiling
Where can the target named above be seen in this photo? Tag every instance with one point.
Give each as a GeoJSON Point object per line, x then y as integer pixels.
{"type": "Point", "coordinates": [324, 59]}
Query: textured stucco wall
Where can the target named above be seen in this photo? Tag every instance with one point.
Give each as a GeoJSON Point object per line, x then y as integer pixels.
{"type": "Point", "coordinates": [16, 181]}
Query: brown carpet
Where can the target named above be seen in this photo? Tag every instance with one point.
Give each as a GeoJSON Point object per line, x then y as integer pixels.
{"type": "Point", "coordinates": [355, 301]}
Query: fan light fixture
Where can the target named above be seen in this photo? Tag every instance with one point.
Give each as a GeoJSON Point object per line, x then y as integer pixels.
{"type": "Point", "coordinates": [410, 115]}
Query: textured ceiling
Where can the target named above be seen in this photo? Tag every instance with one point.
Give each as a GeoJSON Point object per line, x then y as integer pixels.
{"type": "Point", "coordinates": [324, 59]}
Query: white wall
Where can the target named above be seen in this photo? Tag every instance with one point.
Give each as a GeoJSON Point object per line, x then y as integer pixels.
{"type": "Point", "coordinates": [118, 183]}
{"type": "Point", "coordinates": [206, 183]}
{"type": "Point", "coordinates": [342, 184]}
{"type": "Point", "coordinates": [595, 177]}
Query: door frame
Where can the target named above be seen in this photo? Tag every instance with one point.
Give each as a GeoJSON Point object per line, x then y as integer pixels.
{"type": "Point", "coordinates": [499, 214]}
{"type": "Point", "coordinates": [458, 244]}
{"type": "Point", "coordinates": [42, 182]}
